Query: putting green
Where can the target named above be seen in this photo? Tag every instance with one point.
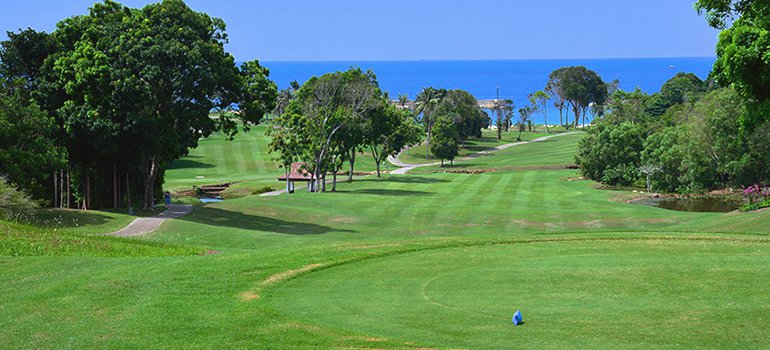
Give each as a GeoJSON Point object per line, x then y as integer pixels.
{"type": "Point", "coordinates": [661, 292]}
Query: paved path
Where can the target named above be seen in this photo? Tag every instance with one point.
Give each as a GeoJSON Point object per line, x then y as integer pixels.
{"type": "Point", "coordinates": [141, 226]}
{"type": "Point", "coordinates": [407, 167]}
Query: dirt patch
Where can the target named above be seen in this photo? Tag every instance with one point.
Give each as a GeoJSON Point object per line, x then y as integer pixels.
{"type": "Point", "coordinates": [248, 296]}
{"type": "Point", "coordinates": [211, 252]}
{"type": "Point", "coordinates": [369, 246]}
{"type": "Point", "coordinates": [253, 294]}
{"type": "Point", "coordinates": [470, 171]}
{"type": "Point", "coordinates": [278, 277]}
{"type": "Point", "coordinates": [343, 220]}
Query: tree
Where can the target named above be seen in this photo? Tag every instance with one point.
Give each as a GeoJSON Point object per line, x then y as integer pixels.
{"type": "Point", "coordinates": [388, 131]}
{"type": "Point", "coordinates": [402, 100]}
{"type": "Point", "coordinates": [560, 106]}
{"type": "Point", "coordinates": [469, 119]}
{"type": "Point", "coordinates": [424, 105]}
{"type": "Point", "coordinates": [327, 117]}
{"type": "Point", "coordinates": [508, 109]}
{"type": "Point", "coordinates": [683, 87]}
{"type": "Point", "coordinates": [580, 87]}
{"type": "Point", "coordinates": [22, 57]}
{"type": "Point", "coordinates": [445, 145]}
{"type": "Point", "coordinates": [524, 114]}
{"type": "Point", "coordinates": [741, 52]}
{"type": "Point", "coordinates": [142, 82]}
{"type": "Point", "coordinates": [611, 153]}
{"type": "Point", "coordinates": [540, 100]}
{"type": "Point", "coordinates": [28, 153]}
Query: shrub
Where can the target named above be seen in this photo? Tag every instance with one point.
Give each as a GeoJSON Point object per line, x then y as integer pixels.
{"type": "Point", "coordinates": [15, 205]}
{"type": "Point", "coordinates": [262, 190]}
{"type": "Point", "coordinates": [611, 153]}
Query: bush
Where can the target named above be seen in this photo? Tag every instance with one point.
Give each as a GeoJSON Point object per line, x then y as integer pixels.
{"type": "Point", "coordinates": [15, 205]}
{"type": "Point", "coordinates": [611, 153]}
{"type": "Point", "coordinates": [262, 190]}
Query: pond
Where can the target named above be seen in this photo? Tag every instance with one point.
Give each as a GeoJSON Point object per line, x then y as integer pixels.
{"type": "Point", "coordinates": [695, 204]}
{"type": "Point", "coordinates": [211, 200]}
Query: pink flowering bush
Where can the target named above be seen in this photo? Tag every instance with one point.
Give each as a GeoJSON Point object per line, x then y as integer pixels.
{"type": "Point", "coordinates": [757, 197]}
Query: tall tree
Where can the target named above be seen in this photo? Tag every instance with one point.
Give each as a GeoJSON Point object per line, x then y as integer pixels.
{"type": "Point", "coordinates": [388, 131]}
{"type": "Point", "coordinates": [326, 116]}
{"type": "Point", "coordinates": [524, 114]}
{"type": "Point", "coordinates": [580, 87]}
{"type": "Point", "coordinates": [445, 145]}
{"type": "Point", "coordinates": [539, 101]}
{"type": "Point", "coordinates": [424, 104]}
{"type": "Point", "coordinates": [742, 52]}
{"type": "Point", "coordinates": [150, 77]}
{"type": "Point", "coordinates": [467, 115]}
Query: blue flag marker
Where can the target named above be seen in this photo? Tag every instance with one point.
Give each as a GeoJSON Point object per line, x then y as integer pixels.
{"type": "Point", "coordinates": [517, 318]}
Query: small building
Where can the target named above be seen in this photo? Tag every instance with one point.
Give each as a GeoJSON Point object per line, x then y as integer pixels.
{"type": "Point", "coordinates": [298, 172]}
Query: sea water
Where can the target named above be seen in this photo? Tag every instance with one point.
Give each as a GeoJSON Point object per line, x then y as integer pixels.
{"type": "Point", "coordinates": [515, 79]}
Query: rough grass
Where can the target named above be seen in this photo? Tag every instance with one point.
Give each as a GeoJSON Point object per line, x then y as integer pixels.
{"type": "Point", "coordinates": [415, 261]}
{"type": "Point", "coordinates": [77, 233]}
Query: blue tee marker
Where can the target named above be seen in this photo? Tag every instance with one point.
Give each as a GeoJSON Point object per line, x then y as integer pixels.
{"type": "Point", "coordinates": [517, 318]}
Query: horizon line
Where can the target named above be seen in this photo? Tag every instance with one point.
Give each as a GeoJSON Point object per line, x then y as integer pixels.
{"type": "Point", "coordinates": [480, 60]}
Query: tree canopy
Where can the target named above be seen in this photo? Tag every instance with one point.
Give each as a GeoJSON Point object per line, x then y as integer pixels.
{"type": "Point", "coordinates": [136, 85]}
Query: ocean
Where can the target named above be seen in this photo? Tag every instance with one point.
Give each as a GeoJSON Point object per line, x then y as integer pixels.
{"type": "Point", "coordinates": [514, 78]}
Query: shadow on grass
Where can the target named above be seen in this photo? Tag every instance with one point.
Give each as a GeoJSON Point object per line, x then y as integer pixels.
{"type": "Point", "coordinates": [220, 217]}
{"type": "Point", "coordinates": [386, 192]}
{"type": "Point", "coordinates": [412, 179]}
{"type": "Point", "coordinates": [188, 163]}
{"type": "Point", "coordinates": [67, 218]}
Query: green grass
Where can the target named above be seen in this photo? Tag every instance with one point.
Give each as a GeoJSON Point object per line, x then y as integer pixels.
{"type": "Point", "coordinates": [436, 260]}
{"type": "Point", "coordinates": [244, 160]}
{"type": "Point", "coordinates": [78, 233]}
{"type": "Point", "coordinates": [557, 152]}
{"type": "Point", "coordinates": [416, 155]}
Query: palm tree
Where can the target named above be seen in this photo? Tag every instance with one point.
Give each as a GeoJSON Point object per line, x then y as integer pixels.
{"type": "Point", "coordinates": [425, 102]}
{"type": "Point", "coordinates": [402, 100]}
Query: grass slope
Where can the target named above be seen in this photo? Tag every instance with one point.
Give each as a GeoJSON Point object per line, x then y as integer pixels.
{"type": "Point", "coordinates": [245, 160]}
{"type": "Point", "coordinates": [416, 154]}
{"type": "Point", "coordinates": [417, 261]}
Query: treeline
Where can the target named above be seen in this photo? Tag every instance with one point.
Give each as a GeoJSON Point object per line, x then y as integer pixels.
{"type": "Point", "coordinates": [694, 136]}
{"type": "Point", "coordinates": [91, 114]}
{"type": "Point", "coordinates": [327, 120]}
{"type": "Point", "coordinates": [687, 138]}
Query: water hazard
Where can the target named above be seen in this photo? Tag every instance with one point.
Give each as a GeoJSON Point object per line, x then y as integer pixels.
{"type": "Point", "coordinates": [696, 204]}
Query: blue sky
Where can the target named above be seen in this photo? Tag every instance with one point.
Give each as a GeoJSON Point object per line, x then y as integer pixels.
{"type": "Point", "coordinates": [355, 30]}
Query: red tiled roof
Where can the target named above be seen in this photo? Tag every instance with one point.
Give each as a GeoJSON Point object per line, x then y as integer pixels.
{"type": "Point", "coordinates": [297, 173]}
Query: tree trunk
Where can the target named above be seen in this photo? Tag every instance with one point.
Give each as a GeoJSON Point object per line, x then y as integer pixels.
{"type": "Point", "coordinates": [323, 182]}
{"type": "Point", "coordinates": [128, 189]}
{"type": "Point", "coordinates": [150, 171]}
{"type": "Point", "coordinates": [288, 187]}
{"type": "Point", "coordinates": [427, 147]}
{"type": "Point", "coordinates": [87, 190]}
{"type": "Point", "coordinates": [61, 188]}
{"type": "Point", "coordinates": [545, 116]}
{"type": "Point", "coordinates": [69, 190]}
{"type": "Point", "coordinates": [114, 184]}
{"type": "Point", "coordinates": [352, 164]}
{"type": "Point", "coordinates": [561, 118]}
{"type": "Point", "coordinates": [442, 162]}
{"type": "Point", "coordinates": [334, 182]}
{"type": "Point", "coordinates": [55, 190]}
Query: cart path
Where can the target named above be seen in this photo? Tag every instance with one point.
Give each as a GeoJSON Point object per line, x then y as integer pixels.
{"type": "Point", "coordinates": [142, 226]}
{"type": "Point", "coordinates": [407, 167]}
